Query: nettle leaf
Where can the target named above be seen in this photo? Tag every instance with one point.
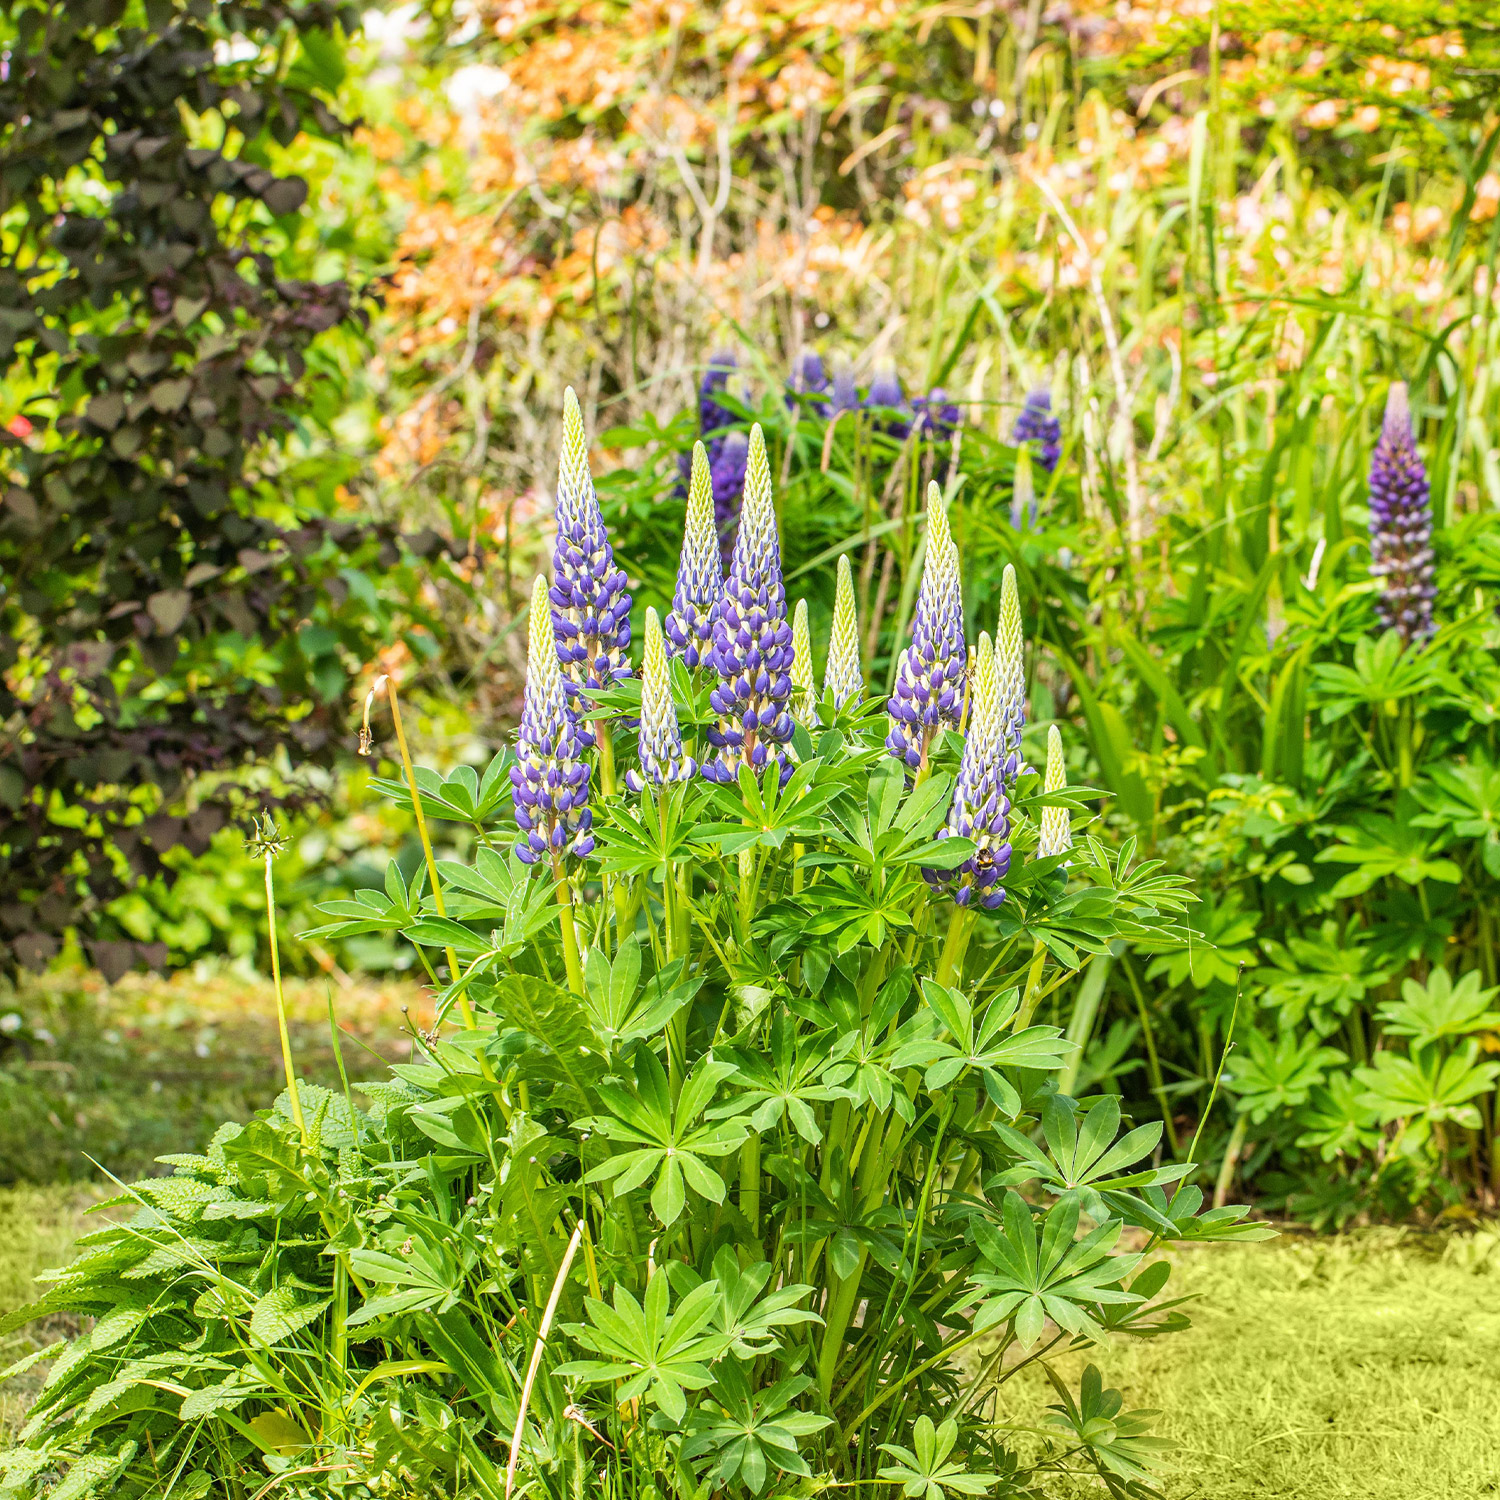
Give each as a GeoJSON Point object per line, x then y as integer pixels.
{"type": "Point", "coordinates": [283, 1311]}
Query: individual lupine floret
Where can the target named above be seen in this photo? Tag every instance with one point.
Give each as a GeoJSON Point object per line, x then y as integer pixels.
{"type": "Point", "coordinates": [700, 578]}
{"type": "Point", "coordinates": [726, 468]}
{"type": "Point", "coordinates": [1055, 833]}
{"type": "Point", "coordinates": [590, 604]}
{"type": "Point", "coordinates": [803, 709]}
{"type": "Point", "coordinates": [1037, 426]}
{"type": "Point", "coordinates": [842, 679]}
{"type": "Point", "coordinates": [981, 809]}
{"type": "Point", "coordinates": [1023, 492]}
{"type": "Point", "coordinates": [660, 742]}
{"type": "Point", "coordinates": [1010, 664]}
{"type": "Point", "coordinates": [550, 778]}
{"type": "Point", "coordinates": [752, 640]}
{"type": "Point", "coordinates": [1401, 524]}
{"type": "Point", "coordinates": [929, 688]}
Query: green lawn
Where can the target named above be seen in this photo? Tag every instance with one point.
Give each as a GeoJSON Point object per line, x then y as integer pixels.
{"type": "Point", "coordinates": [1363, 1367]}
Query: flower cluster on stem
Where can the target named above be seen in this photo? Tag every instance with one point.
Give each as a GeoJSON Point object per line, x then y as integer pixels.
{"type": "Point", "coordinates": [842, 678]}
{"type": "Point", "coordinates": [550, 779]}
{"type": "Point", "coordinates": [1055, 833]}
{"type": "Point", "coordinates": [690, 622]}
{"type": "Point", "coordinates": [1038, 427]}
{"type": "Point", "coordinates": [660, 740]}
{"type": "Point", "coordinates": [590, 604]}
{"type": "Point", "coordinates": [752, 640]}
{"type": "Point", "coordinates": [1401, 524]}
{"type": "Point", "coordinates": [929, 686]}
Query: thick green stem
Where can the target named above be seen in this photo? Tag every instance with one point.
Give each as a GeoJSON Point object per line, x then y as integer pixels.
{"type": "Point", "coordinates": [953, 946]}
{"type": "Point", "coordinates": [1081, 1024]}
{"type": "Point", "coordinates": [1029, 995]}
{"type": "Point", "coordinates": [569, 934]}
{"type": "Point", "coordinates": [750, 1187]}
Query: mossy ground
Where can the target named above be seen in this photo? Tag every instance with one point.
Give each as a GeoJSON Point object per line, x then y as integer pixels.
{"type": "Point", "coordinates": [1359, 1368]}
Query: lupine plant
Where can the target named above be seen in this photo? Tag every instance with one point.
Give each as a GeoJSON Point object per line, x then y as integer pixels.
{"type": "Point", "coordinates": [752, 1170]}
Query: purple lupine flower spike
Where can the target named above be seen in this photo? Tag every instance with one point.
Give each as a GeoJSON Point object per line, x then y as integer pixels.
{"type": "Point", "coordinates": [550, 779]}
{"type": "Point", "coordinates": [726, 468]}
{"type": "Point", "coordinates": [981, 809]}
{"type": "Point", "coordinates": [885, 392]}
{"type": "Point", "coordinates": [1037, 425]}
{"type": "Point", "coordinates": [937, 416]}
{"type": "Point", "coordinates": [845, 392]}
{"type": "Point", "coordinates": [713, 416]}
{"type": "Point", "coordinates": [662, 758]}
{"type": "Point", "coordinates": [590, 605]}
{"type": "Point", "coordinates": [753, 640]}
{"type": "Point", "coordinates": [690, 623]}
{"type": "Point", "coordinates": [1401, 525]}
{"type": "Point", "coordinates": [929, 688]}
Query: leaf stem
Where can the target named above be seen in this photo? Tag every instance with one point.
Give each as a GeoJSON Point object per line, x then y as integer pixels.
{"type": "Point", "coordinates": [286, 1039]}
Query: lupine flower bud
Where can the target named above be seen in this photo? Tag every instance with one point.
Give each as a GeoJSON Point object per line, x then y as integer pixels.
{"type": "Point", "coordinates": [886, 392]}
{"type": "Point", "coordinates": [660, 739]}
{"type": "Point", "coordinates": [1401, 524]}
{"type": "Point", "coordinates": [590, 606]}
{"type": "Point", "coordinates": [1055, 835]}
{"type": "Point", "coordinates": [981, 810]}
{"type": "Point", "coordinates": [842, 677]}
{"type": "Point", "coordinates": [1023, 492]}
{"type": "Point", "coordinates": [726, 466]}
{"type": "Point", "coordinates": [929, 689]}
{"type": "Point", "coordinates": [550, 779]}
{"type": "Point", "coordinates": [802, 667]}
{"type": "Point", "coordinates": [1037, 425]}
{"type": "Point", "coordinates": [752, 641]}
{"type": "Point", "coordinates": [700, 579]}
{"type": "Point", "coordinates": [1010, 665]}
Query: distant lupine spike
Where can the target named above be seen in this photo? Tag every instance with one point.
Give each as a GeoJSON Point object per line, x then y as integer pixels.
{"type": "Point", "coordinates": [590, 604]}
{"type": "Point", "coordinates": [713, 416]}
{"type": "Point", "coordinates": [550, 779]}
{"type": "Point", "coordinates": [802, 667]}
{"type": "Point", "coordinates": [752, 640]}
{"type": "Point", "coordinates": [1401, 524]}
{"type": "Point", "coordinates": [700, 578]}
{"type": "Point", "coordinates": [1023, 492]}
{"type": "Point", "coordinates": [886, 392]}
{"type": "Point", "coordinates": [981, 810]}
{"type": "Point", "coordinates": [845, 391]}
{"type": "Point", "coordinates": [929, 689]}
{"type": "Point", "coordinates": [937, 416]}
{"type": "Point", "coordinates": [662, 759]}
{"type": "Point", "coordinates": [842, 678]}
{"type": "Point", "coordinates": [726, 466]}
{"type": "Point", "coordinates": [1037, 426]}
{"type": "Point", "coordinates": [1010, 664]}
{"type": "Point", "coordinates": [1055, 835]}
{"type": "Point", "coordinates": [808, 379]}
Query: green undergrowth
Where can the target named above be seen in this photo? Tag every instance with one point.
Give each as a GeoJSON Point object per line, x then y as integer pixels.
{"type": "Point", "coordinates": [1366, 1366]}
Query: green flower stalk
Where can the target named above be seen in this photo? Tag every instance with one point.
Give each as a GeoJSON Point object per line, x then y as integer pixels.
{"type": "Point", "coordinates": [842, 679]}
{"type": "Point", "coordinates": [802, 667]}
{"type": "Point", "coordinates": [1055, 835]}
{"type": "Point", "coordinates": [1010, 665]}
{"type": "Point", "coordinates": [662, 758]}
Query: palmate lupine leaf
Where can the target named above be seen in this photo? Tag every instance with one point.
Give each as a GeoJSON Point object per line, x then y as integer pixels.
{"type": "Point", "coordinates": [1087, 1157]}
{"type": "Point", "coordinates": [752, 1435]}
{"type": "Point", "coordinates": [658, 1354]}
{"type": "Point", "coordinates": [1028, 1279]}
{"type": "Point", "coordinates": [746, 1315]}
{"type": "Point", "coordinates": [392, 910]}
{"type": "Point", "coordinates": [666, 1142]}
{"type": "Point", "coordinates": [1440, 1010]}
{"type": "Point", "coordinates": [1116, 1441]}
{"type": "Point", "coordinates": [464, 795]}
{"type": "Point", "coordinates": [1387, 848]}
{"type": "Point", "coordinates": [619, 1007]}
{"type": "Point", "coordinates": [786, 1085]}
{"type": "Point", "coordinates": [1272, 1076]}
{"type": "Point", "coordinates": [1426, 1089]}
{"type": "Point", "coordinates": [1466, 801]}
{"type": "Point", "coordinates": [924, 1470]}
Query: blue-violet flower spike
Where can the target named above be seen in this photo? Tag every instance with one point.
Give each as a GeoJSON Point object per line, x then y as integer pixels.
{"type": "Point", "coordinates": [1037, 425]}
{"type": "Point", "coordinates": [700, 580]}
{"type": "Point", "coordinates": [660, 741]}
{"type": "Point", "coordinates": [550, 779]}
{"type": "Point", "coordinates": [842, 679]}
{"type": "Point", "coordinates": [1401, 525]}
{"type": "Point", "coordinates": [981, 810]}
{"type": "Point", "coordinates": [590, 605]}
{"type": "Point", "coordinates": [929, 689]}
{"type": "Point", "coordinates": [753, 639]}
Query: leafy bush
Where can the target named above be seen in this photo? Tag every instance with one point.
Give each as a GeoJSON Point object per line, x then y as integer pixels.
{"type": "Point", "coordinates": [751, 1129]}
{"type": "Point", "coordinates": [181, 596]}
